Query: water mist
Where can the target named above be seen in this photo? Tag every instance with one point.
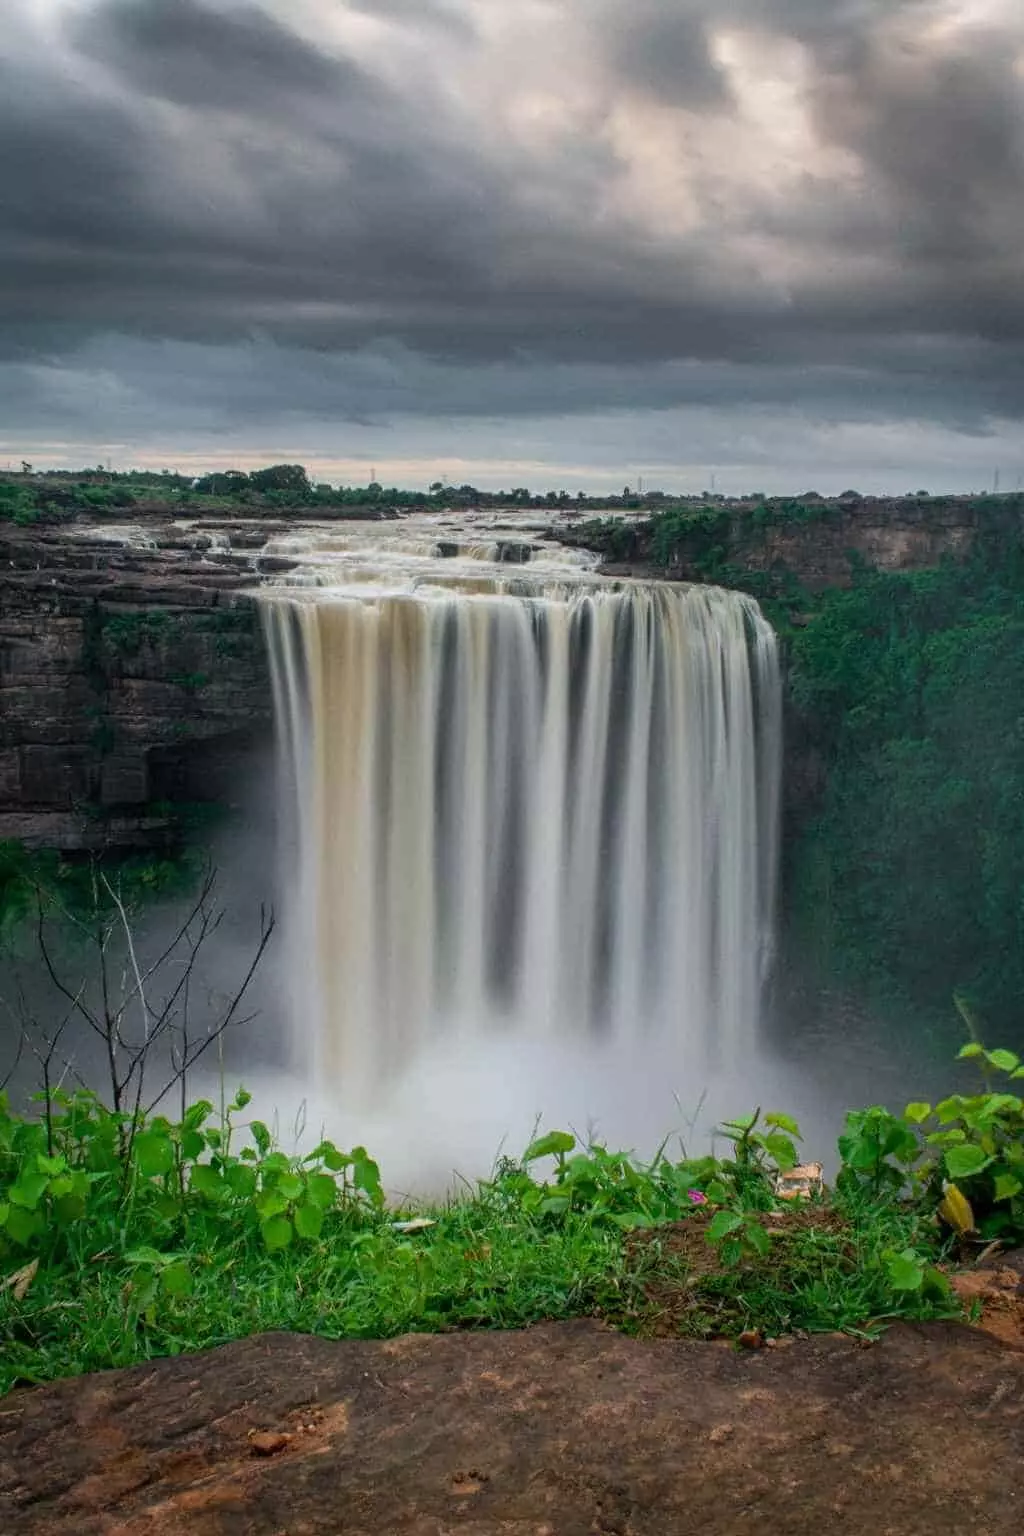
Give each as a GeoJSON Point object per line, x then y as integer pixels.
{"type": "Point", "coordinates": [532, 831]}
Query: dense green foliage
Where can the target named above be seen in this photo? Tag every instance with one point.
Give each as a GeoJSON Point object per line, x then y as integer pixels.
{"type": "Point", "coordinates": [29, 879]}
{"type": "Point", "coordinates": [907, 689]}
{"type": "Point", "coordinates": [912, 689]}
{"type": "Point", "coordinates": [124, 1236]}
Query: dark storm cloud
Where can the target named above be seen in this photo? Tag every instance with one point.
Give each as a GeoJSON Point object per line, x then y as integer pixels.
{"type": "Point", "coordinates": [664, 50]}
{"type": "Point", "coordinates": [942, 139]}
{"type": "Point", "coordinates": [189, 53]}
{"type": "Point", "coordinates": [231, 173]}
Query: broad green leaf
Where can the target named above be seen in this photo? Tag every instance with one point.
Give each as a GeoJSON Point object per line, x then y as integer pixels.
{"type": "Point", "coordinates": [1003, 1061]}
{"type": "Point", "coordinates": [153, 1153]}
{"type": "Point", "coordinates": [242, 1098]}
{"type": "Point", "coordinates": [176, 1279]}
{"type": "Point", "coordinates": [722, 1225]}
{"type": "Point", "coordinates": [143, 1291]}
{"type": "Point", "coordinates": [241, 1180]}
{"type": "Point", "coordinates": [309, 1220]}
{"type": "Point", "coordinates": [554, 1205]}
{"type": "Point", "coordinates": [781, 1149]}
{"type": "Point", "coordinates": [554, 1144]}
{"type": "Point", "coordinates": [330, 1156]}
{"type": "Point", "coordinates": [366, 1176]}
{"type": "Point", "coordinates": [758, 1239]}
{"type": "Point", "coordinates": [744, 1124]}
{"type": "Point", "coordinates": [917, 1113]}
{"type": "Point", "coordinates": [632, 1221]}
{"type": "Point", "coordinates": [905, 1271]}
{"type": "Point", "coordinates": [193, 1144]}
{"type": "Point", "coordinates": [1007, 1185]}
{"type": "Point", "coordinates": [784, 1123]}
{"type": "Point", "coordinates": [261, 1136]}
{"type": "Point", "coordinates": [28, 1189]}
{"type": "Point", "coordinates": [966, 1161]}
{"type": "Point", "coordinates": [291, 1186]}
{"type": "Point", "coordinates": [68, 1209]}
{"type": "Point", "coordinates": [271, 1202]}
{"type": "Point", "coordinates": [322, 1190]}
{"type": "Point", "coordinates": [196, 1115]}
{"type": "Point", "coordinates": [277, 1232]}
{"type": "Point", "coordinates": [935, 1286]}
{"type": "Point", "coordinates": [207, 1181]}
{"type": "Point", "coordinates": [970, 1051]}
{"type": "Point", "coordinates": [22, 1225]}
{"type": "Point", "coordinates": [145, 1256]}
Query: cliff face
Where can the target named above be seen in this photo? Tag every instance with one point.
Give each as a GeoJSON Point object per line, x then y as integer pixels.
{"type": "Point", "coordinates": [133, 679]}
{"type": "Point", "coordinates": [130, 678]}
{"type": "Point", "coordinates": [821, 546]}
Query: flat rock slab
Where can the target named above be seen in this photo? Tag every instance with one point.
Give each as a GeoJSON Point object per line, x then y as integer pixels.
{"type": "Point", "coordinates": [562, 1430]}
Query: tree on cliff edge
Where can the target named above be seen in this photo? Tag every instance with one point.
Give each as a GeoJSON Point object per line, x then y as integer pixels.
{"type": "Point", "coordinates": [291, 478]}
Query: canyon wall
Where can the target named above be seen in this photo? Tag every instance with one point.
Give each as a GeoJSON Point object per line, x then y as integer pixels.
{"type": "Point", "coordinates": [133, 683]}
{"type": "Point", "coordinates": [818, 542]}
{"type": "Point", "coordinates": [133, 679]}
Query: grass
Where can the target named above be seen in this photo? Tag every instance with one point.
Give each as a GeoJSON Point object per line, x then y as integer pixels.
{"type": "Point", "coordinates": [476, 1268]}
{"type": "Point", "coordinates": [471, 1270]}
{"type": "Point", "coordinates": [122, 1244]}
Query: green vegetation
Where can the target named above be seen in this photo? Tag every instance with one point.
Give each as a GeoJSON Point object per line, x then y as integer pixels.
{"type": "Point", "coordinates": [81, 890]}
{"type": "Point", "coordinates": [125, 634]}
{"type": "Point", "coordinates": [910, 879]}
{"type": "Point", "coordinates": [125, 1235]}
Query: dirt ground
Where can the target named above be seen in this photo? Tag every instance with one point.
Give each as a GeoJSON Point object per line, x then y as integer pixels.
{"type": "Point", "coordinates": [562, 1430]}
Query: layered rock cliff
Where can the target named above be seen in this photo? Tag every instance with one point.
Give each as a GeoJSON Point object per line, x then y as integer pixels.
{"type": "Point", "coordinates": [132, 680]}
{"type": "Point", "coordinates": [133, 677]}
{"type": "Point", "coordinates": [818, 542]}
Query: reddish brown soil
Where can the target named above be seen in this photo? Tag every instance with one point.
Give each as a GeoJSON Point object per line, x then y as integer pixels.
{"type": "Point", "coordinates": [994, 1297]}
{"type": "Point", "coordinates": [567, 1430]}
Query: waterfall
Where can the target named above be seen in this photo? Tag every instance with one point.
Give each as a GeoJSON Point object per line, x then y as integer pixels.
{"type": "Point", "coordinates": [524, 810]}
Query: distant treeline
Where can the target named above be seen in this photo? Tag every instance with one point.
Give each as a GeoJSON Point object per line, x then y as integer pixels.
{"type": "Point", "coordinates": [55, 495]}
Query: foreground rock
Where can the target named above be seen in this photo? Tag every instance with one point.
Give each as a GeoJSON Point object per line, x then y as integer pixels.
{"type": "Point", "coordinates": [564, 1430]}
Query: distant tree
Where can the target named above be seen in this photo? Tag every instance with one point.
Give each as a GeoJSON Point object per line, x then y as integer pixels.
{"type": "Point", "coordinates": [290, 478]}
{"type": "Point", "coordinates": [227, 482]}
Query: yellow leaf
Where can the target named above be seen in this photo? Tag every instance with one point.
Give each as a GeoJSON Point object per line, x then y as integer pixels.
{"type": "Point", "coordinates": [955, 1210]}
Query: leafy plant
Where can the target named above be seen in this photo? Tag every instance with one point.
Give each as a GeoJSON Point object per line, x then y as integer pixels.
{"type": "Point", "coordinates": [878, 1151]}
{"type": "Point", "coordinates": [979, 1141]}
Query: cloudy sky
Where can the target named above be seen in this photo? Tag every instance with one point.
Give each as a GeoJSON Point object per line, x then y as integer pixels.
{"type": "Point", "coordinates": [552, 242]}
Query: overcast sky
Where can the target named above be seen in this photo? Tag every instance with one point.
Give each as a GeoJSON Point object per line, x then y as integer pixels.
{"type": "Point", "coordinates": [550, 242]}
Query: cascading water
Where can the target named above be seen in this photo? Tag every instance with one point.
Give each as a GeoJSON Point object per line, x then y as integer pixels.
{"type": "Point", "coordinates": [524, 810]}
